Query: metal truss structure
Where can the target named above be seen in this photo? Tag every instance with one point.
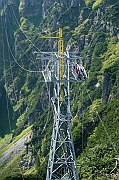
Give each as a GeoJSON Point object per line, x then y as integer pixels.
{"type": "Point", "coordinates": [58, 67]}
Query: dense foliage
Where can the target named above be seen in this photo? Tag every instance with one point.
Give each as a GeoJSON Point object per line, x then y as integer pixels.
{"type": "Point", "coordinates": [93, 29]}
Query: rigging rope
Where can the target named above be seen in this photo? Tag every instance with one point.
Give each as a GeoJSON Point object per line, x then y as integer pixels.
{"type": "Point", "coordinates": [27, 70]}
{"type": "Point", "coordinates": [22, 29]}
{"type": "Point", "coordinates": [9, 50]}
{"type": "Point", "coordinates": [15, 57]}
{"type": "Point", "coordinates": [28, 57]}
{"type": "Point", "coordinates": [23, 50]}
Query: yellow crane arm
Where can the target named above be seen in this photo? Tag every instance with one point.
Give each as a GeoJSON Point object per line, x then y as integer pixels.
{"type": "Point", "coordinates": [61, 56]}
{"type": "Point", "coordinates": [60, 51]}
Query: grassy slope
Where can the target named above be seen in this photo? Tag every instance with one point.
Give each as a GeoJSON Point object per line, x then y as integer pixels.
{"type": "Point", "coordinates": [98, 147]}
{"type": "Point", "coordinates": [14, 165]}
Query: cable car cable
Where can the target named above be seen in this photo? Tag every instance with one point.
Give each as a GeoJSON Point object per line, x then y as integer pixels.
{"type": "Point", "coordinates": [4, 26]}
{"type": "Point", "coordinates": [4, 66]}
{"type": "Point", "coordinates": [22, 51]}
{"type": "Point", "coordinates": [109, 138]}
{"type": "Point", "coordinates": [11, 64]}
{"type": "Point", "coordinates": [25, 69]}
{"type": "Point", "coordinates": [22, 29]}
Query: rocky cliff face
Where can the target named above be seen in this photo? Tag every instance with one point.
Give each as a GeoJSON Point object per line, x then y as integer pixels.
{"type": "Point", "coordinates": [106, 88]}
{"type": "Point", "coordinates": [34, 7]}
{"type": "Point", "coordinates": [93, 31]}
{"type": "Point", "coordinates": [30, 8]}
{"type": "Point", "coordinates": [2, 2]}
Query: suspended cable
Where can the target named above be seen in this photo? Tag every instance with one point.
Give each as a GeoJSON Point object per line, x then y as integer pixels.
{"type": "Point", "coordinates": [4, 66]}
{"type": "Point", "coordinates": [102, 123]}
{"type": "Point", "coordinates": [22, 50]}
{"type": "Point", "coordinates": [4, 27]}
{"type": "Point", "coordinates": [31, 71]}
{"type": "Point", "coordinates": [18, 63]}
{"type": "Point", "coordinates": [25, 69]}
{"type": "Point", "coordinates": [15, 57]}
{"type": "Point", "coordinates": [11, 65]}
{"type": "Point", "coordinates": [22, 29]}
{"type": "Point", "coordinates": [24, 32]}
{"type": "Point", "coordinates": [10, 51]}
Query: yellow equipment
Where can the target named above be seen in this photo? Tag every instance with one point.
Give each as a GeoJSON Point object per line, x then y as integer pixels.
{"type": "Point", "coordinates": [61, 57]}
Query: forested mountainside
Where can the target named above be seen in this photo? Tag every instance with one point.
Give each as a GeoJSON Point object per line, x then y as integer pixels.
{"type": "Point", "coordinates": [26, 113]}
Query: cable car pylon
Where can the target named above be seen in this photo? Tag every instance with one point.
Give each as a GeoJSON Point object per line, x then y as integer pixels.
{"type": "Point", "coordinates": [61, 68]}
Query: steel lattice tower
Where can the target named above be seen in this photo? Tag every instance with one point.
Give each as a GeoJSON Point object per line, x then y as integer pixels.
{"type": "Point", "coordinates": [57, 68]}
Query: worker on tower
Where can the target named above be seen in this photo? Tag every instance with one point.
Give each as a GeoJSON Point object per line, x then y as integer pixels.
{"type": "Point", "coordinates": [79, 72]}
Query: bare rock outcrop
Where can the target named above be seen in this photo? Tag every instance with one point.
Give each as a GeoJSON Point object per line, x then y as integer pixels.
{"type": "Point", "coordinates": [106, 87]}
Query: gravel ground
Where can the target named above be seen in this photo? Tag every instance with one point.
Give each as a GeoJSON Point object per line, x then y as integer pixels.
{"type": "Point", "coordinates": [15, 149]}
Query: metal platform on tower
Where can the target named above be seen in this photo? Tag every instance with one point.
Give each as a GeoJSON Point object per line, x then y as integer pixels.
{"type": "Point", "coordinates": [61, 68]}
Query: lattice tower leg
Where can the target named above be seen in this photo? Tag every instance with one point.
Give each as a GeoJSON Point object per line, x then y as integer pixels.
{"type": "Point", "coordinates": [62, 161]}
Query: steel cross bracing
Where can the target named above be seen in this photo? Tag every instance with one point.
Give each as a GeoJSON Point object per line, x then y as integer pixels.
{"type": "Point", "coordinates": [62, 160]}
{"type": "Point", "coordinates": [57, 67]}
